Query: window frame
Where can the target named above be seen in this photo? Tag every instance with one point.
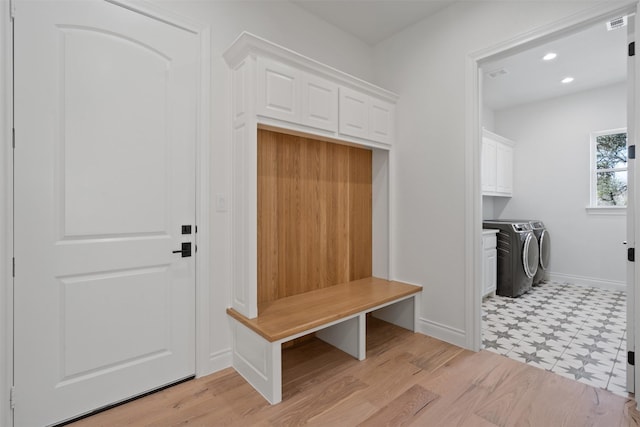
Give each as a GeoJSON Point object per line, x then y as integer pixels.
{"type": "Point", "coordinates": [593, 167]}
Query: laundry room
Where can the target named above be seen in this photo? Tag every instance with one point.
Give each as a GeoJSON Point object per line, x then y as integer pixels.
{"type": "Point", "coordinates": [558, 112]}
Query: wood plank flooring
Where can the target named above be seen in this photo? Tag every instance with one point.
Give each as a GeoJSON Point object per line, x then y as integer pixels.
{"type": "Point", "coordinates": [407, 379]}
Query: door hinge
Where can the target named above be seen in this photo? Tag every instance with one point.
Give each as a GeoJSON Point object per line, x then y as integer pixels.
{"type": "Point", "coordinates": [12, 398]}
{"type": "Point", "coordinates": [13, 138]}
{"type": "Point", "coordinates": [631, 358]}
{"type": "Point", "coordinates": [631, 254]}
{"type": "Point", "coordinates": [631, 152]}
{"type": "Point", "coordinates": [13, 267]}
{"type": "Point", "coordinates": [632, 49]}
{"type": "Point", "coordinates": [12, 9]}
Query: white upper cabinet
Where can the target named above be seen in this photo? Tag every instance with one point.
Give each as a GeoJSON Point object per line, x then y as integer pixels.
{"type": "Point", "coordinates": [278, 90]}
{"type": "Point", "coordinates": [489, 165]}
{"type": "Point", "coordinates": [382, 117]}
{"type": "Point", "coordinates": [285, 90]}
{"type": "Point", "coordinates": [354, 113]}
{"type": "Point", "coordinates": [364, 116]}
{"type": "Point", "coordinates": [497, 165]}
{"type": "Point", "coordinates": [504, 170]}
{"type": "Point", "coordinates": [319, 103]}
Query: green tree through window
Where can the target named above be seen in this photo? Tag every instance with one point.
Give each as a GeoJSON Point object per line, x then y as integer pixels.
{"type": "Point", "coordinates": [611, 169]}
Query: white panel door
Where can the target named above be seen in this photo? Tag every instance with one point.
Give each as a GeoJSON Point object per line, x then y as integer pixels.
{"type": "Point", "coordinates": [105, 118]}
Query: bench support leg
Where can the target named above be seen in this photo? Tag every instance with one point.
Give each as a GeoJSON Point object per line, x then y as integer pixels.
{"type": "Point", "coordinates": [258, 361]}
{"type": "Point", "coordinates": [402, 313]}
{"type": "Point", "coordinates": [348, 336]}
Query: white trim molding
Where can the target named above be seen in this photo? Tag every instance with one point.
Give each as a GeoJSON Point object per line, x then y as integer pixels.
{"type": "Point", "coordinates": [6, 213]}
{"type": "Point", "coordinates": [442, 332]}
{"type": "Point", "coordinates": [592, 282]}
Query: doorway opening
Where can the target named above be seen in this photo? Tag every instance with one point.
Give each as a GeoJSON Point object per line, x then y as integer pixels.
{"type": "Point", "coordinates": [516, 327]}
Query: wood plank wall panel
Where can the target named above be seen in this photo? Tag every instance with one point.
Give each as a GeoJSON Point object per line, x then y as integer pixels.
{"type": "Point", "coordinates": [314, 214]}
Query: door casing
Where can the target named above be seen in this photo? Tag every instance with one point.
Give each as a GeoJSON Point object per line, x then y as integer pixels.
{"type": "Point", "coordinates": [6, 190]}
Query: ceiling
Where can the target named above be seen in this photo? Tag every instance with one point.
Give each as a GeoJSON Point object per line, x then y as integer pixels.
{"type": "Point", "coordinates": [372, 20]}
{"type": "Point", "coordinates": [594, 57]}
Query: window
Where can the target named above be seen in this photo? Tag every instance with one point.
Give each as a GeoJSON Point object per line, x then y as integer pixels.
{"type": "Point", "coordinates": [609, 169]}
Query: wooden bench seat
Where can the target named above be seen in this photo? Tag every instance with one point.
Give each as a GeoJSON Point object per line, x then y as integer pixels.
{"type": "Point", "coordinates": [290, 316]}
{"type": "Point", "coordinates": [336, 314]}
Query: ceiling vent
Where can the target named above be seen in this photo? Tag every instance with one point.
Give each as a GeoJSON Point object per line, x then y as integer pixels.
{"type": "Point", "coordinates": [497, 73]}
{"type": "Point", "coordinates": [616, 23]}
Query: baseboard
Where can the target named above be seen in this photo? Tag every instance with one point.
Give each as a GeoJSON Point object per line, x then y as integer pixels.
{"type": "Point", "coordinates": [442, 332]}
{"type": "Point", "coordinates": [588, 281]}
{"type": "Point", "coordinates": [218, 361]}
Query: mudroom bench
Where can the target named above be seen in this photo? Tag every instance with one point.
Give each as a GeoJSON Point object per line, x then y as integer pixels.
{"type": "Point", "coordinates": [337, 314]}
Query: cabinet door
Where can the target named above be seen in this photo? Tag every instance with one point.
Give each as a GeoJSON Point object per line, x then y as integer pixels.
{"type": "Point", "coordinates": [278, 86]}
{"type": "Point", "coordinates": [381, 121]}
{"type": "Point", "coordinates": [504, 178]}
{"type": "Point", "coordinates": [490, 266]}
{"type": "Point", "coordinates": [489, 165]}
{"type": "Point", "coordinates": [354, 113]}
{"type": "Point", "coordinates": [319, 103]}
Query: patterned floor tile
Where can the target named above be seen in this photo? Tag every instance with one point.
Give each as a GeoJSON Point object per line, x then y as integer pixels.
{"type": "Point", "coordinates": [577, 332]}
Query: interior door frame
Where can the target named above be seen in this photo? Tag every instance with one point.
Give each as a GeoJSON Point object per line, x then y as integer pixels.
{"type": "Point", "coordinates": [202, 208]}
{"type": "Point", "coordinates": [473, 138]}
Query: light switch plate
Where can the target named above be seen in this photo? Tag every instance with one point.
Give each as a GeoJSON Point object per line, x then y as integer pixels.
{"type": "Point", "coordinates": [221, 202]}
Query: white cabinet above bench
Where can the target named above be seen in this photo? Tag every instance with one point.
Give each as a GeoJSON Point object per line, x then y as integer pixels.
{"type": "Point", "coordinates": [298, 93]}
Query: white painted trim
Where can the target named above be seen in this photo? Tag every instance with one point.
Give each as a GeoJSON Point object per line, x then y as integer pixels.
{"type": "Point", "coordinates": [591, 282]}
{"type": "Point", "coordinates": [220, 360]}
{"type": "Point", "coordinates": [473, 193]}
{"type": "Point", "coordinates": [6, 215]}
{"type": "Point", "coordinates": [203, 214]}
{"type": "Point", "coordinates": [249, 44]}
{"type": "Point", "coordinates": [442, 332]}
{"type": "Point", "coordinates": [606, 210]}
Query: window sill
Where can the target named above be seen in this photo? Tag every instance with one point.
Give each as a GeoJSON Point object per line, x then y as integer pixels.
{"type": "Point", "coordinates": [606, 210]}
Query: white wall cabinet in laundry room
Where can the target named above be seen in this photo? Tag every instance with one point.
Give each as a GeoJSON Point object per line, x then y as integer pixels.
{"type": "Point", "coordinates": [489, 262]}
{"type": "Point", "coordinates": [497, 165]}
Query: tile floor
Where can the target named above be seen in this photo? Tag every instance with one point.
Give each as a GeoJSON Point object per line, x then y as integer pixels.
{"type": "Point", "coordinates": [574, 331]}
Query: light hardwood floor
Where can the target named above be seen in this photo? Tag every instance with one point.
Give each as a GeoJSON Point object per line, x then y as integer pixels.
{"type": "Point", "coordinates": [407, 379]}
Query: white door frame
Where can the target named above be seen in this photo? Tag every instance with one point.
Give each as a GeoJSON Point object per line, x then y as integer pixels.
{"type": "Point", "coordinates": [202, 239]}
{"type": "Point", "coordinates": [6, 214]}
{"type": "Point", "coordinates": [473, 194]}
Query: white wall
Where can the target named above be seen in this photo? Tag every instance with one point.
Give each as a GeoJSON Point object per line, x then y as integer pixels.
{"type": "Point", "coordinates": [425, 64]}
{"type": "Point", "coordinates": [283, 23]}
{"type": "Point", "coordinates": [551, 180]}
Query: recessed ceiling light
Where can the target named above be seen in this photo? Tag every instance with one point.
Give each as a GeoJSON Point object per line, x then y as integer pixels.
{"type": "Point", "coordinates": [567, 80]}
{"type": "Point", "coordinates": [549, 56]}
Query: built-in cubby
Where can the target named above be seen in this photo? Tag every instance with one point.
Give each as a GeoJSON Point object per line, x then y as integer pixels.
{"type": "Point", "coordinates": [279, 91]}
{"type": "Point", "coordinates": [310, 209]}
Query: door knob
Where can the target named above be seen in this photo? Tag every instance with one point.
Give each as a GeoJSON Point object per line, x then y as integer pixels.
{"type": "Point", "coordinates": [185, 251]}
